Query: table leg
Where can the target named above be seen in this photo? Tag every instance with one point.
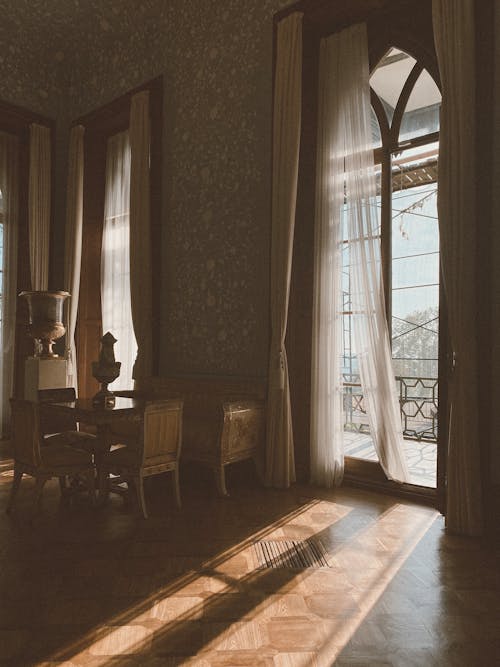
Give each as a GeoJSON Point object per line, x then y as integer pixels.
{"type": "Point", "coordinates": [104, 446]}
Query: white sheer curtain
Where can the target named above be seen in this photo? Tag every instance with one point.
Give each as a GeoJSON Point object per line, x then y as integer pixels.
{"type": "Point", "coordinates": [140, 233]}
{"type": "Point", "coordinates": [454, 37]}
{"type": "Point", "coordinates": [347, 161]}
{"type": "Point", "coordinates": [73, 246]}
{"type": "Point", "coordinates": [327, 415]}
{"type": "Point", "coordinates": [39, 205]}
{"type": "Point", "coordinates": [8, 234]}
{"type": "Point", "coordinates": [115, 266]}
{"type": "Point", "coordinates": [280, 464]}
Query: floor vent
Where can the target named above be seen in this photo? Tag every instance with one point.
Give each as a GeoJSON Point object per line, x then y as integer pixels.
{"type": "Point", "coordinates": [291, 554]}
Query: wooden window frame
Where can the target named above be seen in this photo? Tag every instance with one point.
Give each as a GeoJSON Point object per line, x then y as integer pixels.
{"type": "Point", "coordinates": [99, 126]}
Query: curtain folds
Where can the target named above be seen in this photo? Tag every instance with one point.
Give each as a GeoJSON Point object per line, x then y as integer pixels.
{"type": "Point", "coordinates": [9, 190]}
{"type": "Point", "coordinates": [73, 246]}
{"type": "Point", "coordinates": [454, 38]}
{"type": "Point", "coordinates": [39, 205]}
{"type": "Point", "coordinates": [140, 233]}
{"type": "Point", "coordinates": [327, 418]}
{"type": "Point", "coordinates": [115, 257]}
{"type": "Point", "coordinates": [280, 464]}
{"type": "Point", "coordinates": [347, 207]}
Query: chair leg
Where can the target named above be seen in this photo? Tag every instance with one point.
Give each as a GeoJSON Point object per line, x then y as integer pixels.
{"type": "Point", "coordinates": [62, 485]}
{"type": "Point", "coordinates": [103, 484]}
{"type": "Point", "coordinates": [90, 477]}
{"type": "Point", "coordinates": [220, 480]}
{"type": "Point", "coordinates": [177, 490]}
{"type": "Point", "coordinates": [18, 475]}
{"type": "Point", "coordinates": [138, 481]}
{"type": "Point", "coordinates": [37, 496]}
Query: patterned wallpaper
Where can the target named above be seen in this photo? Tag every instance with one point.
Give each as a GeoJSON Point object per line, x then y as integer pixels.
{"type": "Point", "coordinates": [215, 57]}
{"type": "Point", "coordinates": [32, 69]}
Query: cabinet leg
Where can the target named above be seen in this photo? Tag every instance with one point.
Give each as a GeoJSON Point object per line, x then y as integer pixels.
{"type": "Point", "coordinates": [138, 481]}
{"type": "Point", "coordinates": [177, 491]}
{"type": "Point", "coordinates": [220, 480]}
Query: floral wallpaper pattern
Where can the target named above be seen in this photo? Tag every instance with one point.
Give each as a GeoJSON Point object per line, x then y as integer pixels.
{"type": "Point", "coordinates": [216, 60]}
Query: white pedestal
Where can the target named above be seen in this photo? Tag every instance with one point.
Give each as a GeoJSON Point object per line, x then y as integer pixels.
{"type": "Point", "coordinates": [43, 374]}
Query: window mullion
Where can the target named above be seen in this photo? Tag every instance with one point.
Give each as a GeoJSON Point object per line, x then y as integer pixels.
{"type": "Point", "coordinates": [386, 233]}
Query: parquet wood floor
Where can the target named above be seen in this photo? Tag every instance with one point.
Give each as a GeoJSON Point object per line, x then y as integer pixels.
{"type": "Point", "coordinates": [103, 587]}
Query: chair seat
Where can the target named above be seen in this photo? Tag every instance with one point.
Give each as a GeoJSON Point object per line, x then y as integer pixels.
{"type": "Point", "coordinates": [63, 456]}
{"type": "Point", "coordinates": [32, 456]}
{"type": "Point", "coordinates": [130, 457]}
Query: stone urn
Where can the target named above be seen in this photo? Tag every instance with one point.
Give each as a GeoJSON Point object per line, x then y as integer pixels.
{"type": "Point", "coordinates": [46, 319]}
{"type": "Point", "coordinates": [105, 371]}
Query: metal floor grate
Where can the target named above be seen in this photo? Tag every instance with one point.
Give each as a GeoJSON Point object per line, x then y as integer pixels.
{"type": "Point", "coordinates": [292, 554]}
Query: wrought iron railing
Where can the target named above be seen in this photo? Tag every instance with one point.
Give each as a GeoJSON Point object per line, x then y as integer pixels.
{"type": "Point", "coordinates": [418, 403]}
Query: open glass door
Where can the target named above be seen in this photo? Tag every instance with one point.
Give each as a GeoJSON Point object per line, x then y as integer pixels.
{"type": "Point", "coordinates": [405, 122]}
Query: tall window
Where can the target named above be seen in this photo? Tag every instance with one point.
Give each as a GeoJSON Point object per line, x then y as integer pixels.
{"type": "Point", "coordinates": [104, 303]}
{"type": "Point", "coordinates": [405, 123]}
{"type": "Point", "coordinates": [115, 257]}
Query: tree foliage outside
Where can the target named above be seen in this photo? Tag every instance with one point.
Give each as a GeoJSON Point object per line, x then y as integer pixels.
{"type": "Point", "coordinates": [415, 344]}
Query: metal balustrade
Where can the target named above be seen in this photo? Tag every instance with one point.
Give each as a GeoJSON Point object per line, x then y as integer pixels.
{"type": "Point", "coordinates": [418, 402]}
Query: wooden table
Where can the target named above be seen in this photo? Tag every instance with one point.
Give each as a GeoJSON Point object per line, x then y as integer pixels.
{"type": "Point", "coordinates": [82, 411]}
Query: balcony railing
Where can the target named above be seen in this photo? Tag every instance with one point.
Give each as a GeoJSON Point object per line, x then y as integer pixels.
{"type": "Point", "coordinates": [418, 403]}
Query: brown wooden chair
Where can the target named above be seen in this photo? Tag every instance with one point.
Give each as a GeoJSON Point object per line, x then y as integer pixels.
{"type": "Point", "coordinates": [157, 450]}
{"type": "Point", "coordinates": [31, 457]}
{"type": "Point", "coordinates": [62, 429]}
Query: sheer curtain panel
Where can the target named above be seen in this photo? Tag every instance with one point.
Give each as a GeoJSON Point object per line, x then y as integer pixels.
{"type": "Point", "coordinates": [115, 263]}
{"type": "Point", "coordinates": [140, 233]}
{"type": "Point", "coordinates": [327, 414]}
{"type": "Point", "coordinates": [39, 205]}
{"type": "Point", "coordinates": [73, 246]}
{"type": "Point", "coordinates": [280, 463]}
{"type": "Point", "coordinates": [347, 162]}
{"type": "Point", "coordinates": [454, 38]}
{"type": "Point", "coordinates": [8, 233]}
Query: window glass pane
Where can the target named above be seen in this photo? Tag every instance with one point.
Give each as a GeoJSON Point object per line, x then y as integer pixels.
{"type": "Point", "coordinates": [415, 305]}
{"type": "Point", "coordinates": [389, 77]}
{"type": "Point", "coordinates": [357, 439]}
{"type": "Point", "coordinates": [421, 115]}
{"type": "Point", "coordinates": [115, 269]}
{"type": "Point", "coordinates": [415, 275]}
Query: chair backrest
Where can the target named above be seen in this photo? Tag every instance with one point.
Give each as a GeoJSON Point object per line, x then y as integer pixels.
{"type": "Point", "coordinates": [25, 432]}
{"type": "Point", "coordinates": [59, 423]}
{"type": "Point", "coordinates": [162, 435]}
